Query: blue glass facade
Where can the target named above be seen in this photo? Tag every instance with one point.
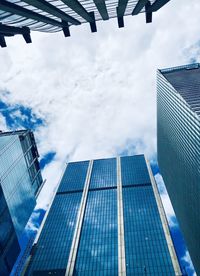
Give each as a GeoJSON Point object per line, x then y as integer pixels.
{"type": "Point", "coordinates": [94, 250]}
{"type": "Point", "coordinates": [145, 244]}
{"type": "Point", "coordinates": [9, 246]}
{"type": "Point", "coordinates": [74, 177]}
{"type": "Point", "coordinates": [20, 182]}
{"type": "Point", "coordinates": [134, 171]}
{"type": "Point", "coordinates": [178, 127]}
{"type": "Point", "coordinates": [97, 252]}
{"type": "Point", "coordinates": [104, 174]}
{"type": "Point", "coordinates": [54, 246]}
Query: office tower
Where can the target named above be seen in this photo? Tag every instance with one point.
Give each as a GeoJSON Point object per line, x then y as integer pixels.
{"type": "Point", "coordinates": [19, 17]}
{"type": "Point", "coordinates": [20, 183]}
{"type": "Point", "coordinates": [179, 146]}
{"type": "Point", "coordinates": [106, 219]}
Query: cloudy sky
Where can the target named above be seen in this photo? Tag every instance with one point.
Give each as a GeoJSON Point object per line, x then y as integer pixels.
{"type": "Point", "coordinates": [93, 95]}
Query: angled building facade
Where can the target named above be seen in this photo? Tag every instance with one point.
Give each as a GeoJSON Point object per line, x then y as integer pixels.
{"type": "Point", "coordinates": [20, 183]}
{"type": "Point", "coordinates": [178, 127]}
{"type": "Point", "coordinates": [21, 16]}
{"type": "Point", "coordinates": [106, 219]}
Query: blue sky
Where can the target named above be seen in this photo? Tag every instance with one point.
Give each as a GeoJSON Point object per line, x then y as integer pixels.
{"type": "Point", "coordinates": [19, 116]}
{"type": "Point", "coordinates": [94, 95]}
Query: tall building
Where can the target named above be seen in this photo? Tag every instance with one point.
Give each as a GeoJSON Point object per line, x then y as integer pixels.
{"type": "Point", "coordinates": [20, 183]}
{"type": "Point", "coordinates": [19, 17]}
{"type": "Point", "coordinates": [178, 103]}
{"type": "Point", "coordinates": [106, 219]}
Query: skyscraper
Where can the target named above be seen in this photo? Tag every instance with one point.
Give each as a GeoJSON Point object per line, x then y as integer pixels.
{"type": "Point", "coordinates": [178, 103]}
{"type": "Point", "coordinates": [106, 219]}
{"type": "Point", "coordinates": [19, 17]}
{"type": "Point", "coordinates": [20, 183]}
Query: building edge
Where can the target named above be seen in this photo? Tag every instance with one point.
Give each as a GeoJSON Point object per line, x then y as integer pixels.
{"type": "Point", "coordinates": [25, 269]}
{"type": "Point", "coordinates": [120, 217]}
{"type": "Point", "coordinates": [164, 221]}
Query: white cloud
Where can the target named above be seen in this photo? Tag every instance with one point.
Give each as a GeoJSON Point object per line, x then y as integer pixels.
{"type": "Point", "coordinates": [188, 264]}
{"type": "Point", "coordinates": [2, 123]}
{"type": "Point", "coordinates": [96, 92]}
{"type": "Point", "coordinates": [31, 225]}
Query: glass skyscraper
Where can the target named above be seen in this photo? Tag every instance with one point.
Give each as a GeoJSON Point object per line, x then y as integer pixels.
{"type": "Point", "coordinates": [106, 219]}
{"type": "Point", "coordinates": [21, 16]}
{"type": "Point", "coordinates": [178, 119]}
{"type": "Point", "coordinates": [20, 183]}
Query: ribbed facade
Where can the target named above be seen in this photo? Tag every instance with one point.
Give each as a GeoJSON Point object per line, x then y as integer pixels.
{"type": "Point", "coordinates": [178, 127]}
{"type": "Point", "coordinates": [20, 182]}
{"type": "Point", "coordinates": [19, 17]}
{"type": "Point", "coordinates": [106, 219]}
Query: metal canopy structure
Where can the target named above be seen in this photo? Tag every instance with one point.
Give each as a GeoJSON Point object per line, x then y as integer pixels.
{"type": "Point", "coordinates": [57, 15]}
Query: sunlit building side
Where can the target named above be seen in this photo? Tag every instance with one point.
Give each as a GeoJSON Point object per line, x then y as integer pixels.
{"type": "Point", "coordinates": [20, 183]}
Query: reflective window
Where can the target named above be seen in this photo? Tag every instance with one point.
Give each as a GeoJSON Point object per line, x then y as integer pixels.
{"type": "Point", "coordinates": [54, 244]}
{"type": "Point", "coordinates": [145, 245]}
{"type": "Point", "coordinates": [15, 181]}
{"type": "Point", "coordinates": [74, 177]}
{"type": "Point", "coordinates": [104, 173]}
{"type": "Point", "coordinates": [9, 246]}
{"type": "Point", "coordinates": [134, 170]}
{"type": "Point", "coordinates": [98, 247]}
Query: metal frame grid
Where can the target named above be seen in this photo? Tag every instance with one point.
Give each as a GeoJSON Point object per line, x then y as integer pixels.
{"type": "Point", "coordinates": [57, 15]}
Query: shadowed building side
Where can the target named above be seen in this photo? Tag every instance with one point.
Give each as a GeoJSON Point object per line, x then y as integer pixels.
{"type": "Point", "coordinates": [178, 129]}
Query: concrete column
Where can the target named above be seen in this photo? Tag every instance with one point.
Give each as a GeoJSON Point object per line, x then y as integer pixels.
{"type": "Point", "coordinates": [121, 243]}
{"type": "Point", "coordinates": [79, 222]}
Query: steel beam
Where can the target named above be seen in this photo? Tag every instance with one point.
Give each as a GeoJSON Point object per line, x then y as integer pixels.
{"type": "Point", "coordinates": [11, 31]}
{"type": "Point", "coordinates": [15, 9]}
{"type": "Point", "coordinates": [79, 9]}
{"type": "Point", "coordinates": [66, 30]}
{"type": "Point", "coordinates": [122, 4]}
{"type": "Point", "coordinates": [2, 41]}
{"type": "Point", "coordinates": [51, 9]}
{"type": "Point", "coordinates": [148, 12]}
{"type": "Point", "coordinates": [139, 6]}
{"type": "Point", "coordinates": [121, 7]}
{"type": "Point", "coordinates": [101, 6]}
{"type": "Point", "coordinates": [26, 35]}
{"type": "Point", "coordinates": [93, 26]}
{"type": "Point", "coordinates": [120, 21]}
{"type": "Point", "coordinates": [158, 4]}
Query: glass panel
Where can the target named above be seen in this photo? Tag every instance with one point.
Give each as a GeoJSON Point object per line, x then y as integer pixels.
{"type": "Point", "coordinates": [74, 177]}
{"type": "Point", "coordinates": [54, 244]}
{"type": "Point", "coordinates": [134, 170]}
{"type": "Point", "coordinates": [145, 245]}
{"type": "Point", "coordinates": [98, 247]}
{"type": "Point", "coordinates": [104, 173]}
{"type": "Point", "coordinates": [15, 181]}
{"type": "Point", "coordinates": [9, 246]}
